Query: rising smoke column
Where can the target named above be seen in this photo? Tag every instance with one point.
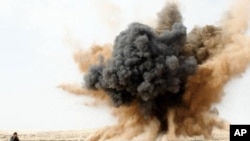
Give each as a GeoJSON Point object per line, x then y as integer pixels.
{"type": "Point", "coordinates": [221, 53]}
{"type": "Point", "coordinates": [167, 17]}
{"type": "Point", "coordinates": [145, 68]}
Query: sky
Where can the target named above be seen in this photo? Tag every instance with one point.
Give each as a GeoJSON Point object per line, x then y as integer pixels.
{"type": "Point", "coordinates": [37, 41]}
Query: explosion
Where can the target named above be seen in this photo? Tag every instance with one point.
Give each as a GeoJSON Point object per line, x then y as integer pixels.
{"type": "Point", "coordinates": [161, 82]}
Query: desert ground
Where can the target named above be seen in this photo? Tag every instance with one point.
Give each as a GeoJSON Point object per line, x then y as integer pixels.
{"type": "Point", "coordinates": [80, 135]}
{"type": "Point", "coordinates": [47, 135]}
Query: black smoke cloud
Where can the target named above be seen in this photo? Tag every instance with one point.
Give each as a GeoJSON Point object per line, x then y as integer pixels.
{"type": "Point", "coordinates": [147, 68]}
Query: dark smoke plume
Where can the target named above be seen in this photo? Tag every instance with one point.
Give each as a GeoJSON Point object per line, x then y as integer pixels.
{"type": "Point", "coordinates": [145, 67]}
{"type": "Point", "coordinates": [163, 81]}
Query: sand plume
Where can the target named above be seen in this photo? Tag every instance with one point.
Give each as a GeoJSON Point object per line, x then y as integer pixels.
{"type": "Point", "coordinates": [96, 54]}
{"type": "Point", "coordinates": [163, 81]}
{"type": "Point", "coordinates": [206, 86]}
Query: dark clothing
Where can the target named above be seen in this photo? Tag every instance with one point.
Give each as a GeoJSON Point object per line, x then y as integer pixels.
{"type": "Point", "coordinates": [14, 139]}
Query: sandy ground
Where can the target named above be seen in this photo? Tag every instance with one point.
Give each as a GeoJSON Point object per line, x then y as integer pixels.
{"type": "Point", "coordinates": [80, 135]}
{"type": "Point", "coordinates": [47, 136]}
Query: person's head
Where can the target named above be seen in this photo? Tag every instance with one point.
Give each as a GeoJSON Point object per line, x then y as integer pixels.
{"type": "Point", "coordinates": [15, 134]}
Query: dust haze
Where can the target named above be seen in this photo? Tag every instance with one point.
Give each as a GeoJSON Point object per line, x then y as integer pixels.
{"type": "Point", "coordinates": [160, 81]}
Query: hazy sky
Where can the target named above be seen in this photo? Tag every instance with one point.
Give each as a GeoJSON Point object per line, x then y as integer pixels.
{"type": "Point", "coordinates": [36, 57]}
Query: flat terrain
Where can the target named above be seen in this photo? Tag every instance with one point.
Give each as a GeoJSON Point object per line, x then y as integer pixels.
{"type": "Point", "coordinates": [82, 134]}
{"type": "Point", "coordinates": [48, 136]}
